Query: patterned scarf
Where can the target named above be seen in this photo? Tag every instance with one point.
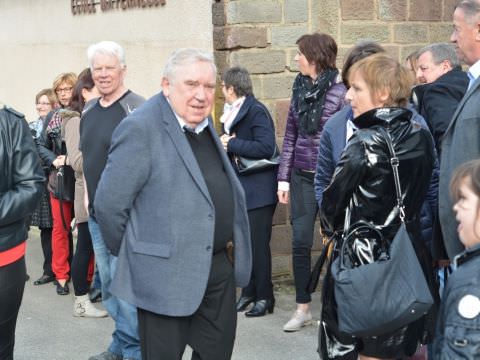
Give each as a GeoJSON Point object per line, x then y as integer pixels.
{"type": "Point", "coordinates": [311, 99]}
{"type": "Point", "coordinates": [55, 123]}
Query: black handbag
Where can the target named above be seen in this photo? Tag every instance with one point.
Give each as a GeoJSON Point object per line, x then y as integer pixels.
{"type": "Point", "coordinates": [247, 165]}
{"type": "Point", "coordinates": [384, 288]}
{"type": "Point", "coordinates": [61, 181]}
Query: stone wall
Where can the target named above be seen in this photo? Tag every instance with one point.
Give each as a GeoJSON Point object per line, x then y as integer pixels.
{"type": "Point", "coordinates": [260, 35]}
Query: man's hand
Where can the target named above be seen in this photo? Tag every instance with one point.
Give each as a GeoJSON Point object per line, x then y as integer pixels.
{"type": "Point", "coordinates": [283, 196]}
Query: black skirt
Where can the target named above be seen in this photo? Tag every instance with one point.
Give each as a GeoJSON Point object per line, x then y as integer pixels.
{"type": "Point", "coordinates": [42, 215]}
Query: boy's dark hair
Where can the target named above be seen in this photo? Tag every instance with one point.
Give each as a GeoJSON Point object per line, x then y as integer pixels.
{"type": "Point", "coordinates": [357, 53]}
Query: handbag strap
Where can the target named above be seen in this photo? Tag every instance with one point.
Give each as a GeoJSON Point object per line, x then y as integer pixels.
{"type": "Point", "coordinates": [394, 162]}
{"type": "Point", "coordinates": [60, 185]}
{"type": "Point", "coordinates": [396, 177]}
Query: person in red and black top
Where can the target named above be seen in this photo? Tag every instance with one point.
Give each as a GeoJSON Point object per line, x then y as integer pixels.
{"type": "Point", "coordinates": [21, 186]}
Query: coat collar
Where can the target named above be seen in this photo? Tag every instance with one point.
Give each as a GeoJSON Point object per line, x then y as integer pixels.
{"type": "Point", "coordinates": [467, 255]}
{"type": "Point", "coordinates": [388, 116]}
{"type": "Point", "coordinates": [247, 104]}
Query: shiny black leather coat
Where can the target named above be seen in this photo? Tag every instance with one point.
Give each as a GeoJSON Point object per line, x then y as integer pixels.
{"type": "Point", "coordinates": [364, 172]}
{"type": "Point", "coordinates": [21, 180]}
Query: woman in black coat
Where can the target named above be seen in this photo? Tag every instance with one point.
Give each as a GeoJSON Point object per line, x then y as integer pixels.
{"type": "Point", "coordinates": [363, 180]}
{"type": "Point", "coordinates": [249, 132]}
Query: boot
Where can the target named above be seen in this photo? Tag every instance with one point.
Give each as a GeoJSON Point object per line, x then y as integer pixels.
{"type": "Point", "coordinates": [83, 307]}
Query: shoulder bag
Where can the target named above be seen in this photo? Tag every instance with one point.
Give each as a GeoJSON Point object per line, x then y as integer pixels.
{"type": "Point", "coordinates": [379, 286]}
{"type": "Point", "coordinates": [61, 181]}
{"type": "Point", "coordinates": [246, 165]}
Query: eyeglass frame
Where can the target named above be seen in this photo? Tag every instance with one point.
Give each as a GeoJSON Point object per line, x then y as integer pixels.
{"type": "Point", "coordinates": [64, 90]}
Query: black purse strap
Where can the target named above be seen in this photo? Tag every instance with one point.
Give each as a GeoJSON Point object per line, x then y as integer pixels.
{"type": "Point", "coordinates": [60, 182]}
{"type": "Point", "coordinates": [396, 177]}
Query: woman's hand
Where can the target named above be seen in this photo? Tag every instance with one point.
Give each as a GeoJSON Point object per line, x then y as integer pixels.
{"type": "Point", "coordinates": [225, 138]}
{"type": "Point", "coordinates": [283, 196]}
{"type": "Point", "coordinates": [59, 161]}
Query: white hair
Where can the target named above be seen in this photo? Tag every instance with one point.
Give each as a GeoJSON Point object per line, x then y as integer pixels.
{"type": "Point", "coordinates": [185, 56]}
{"type": "Point", "coordinates": [109, 48]}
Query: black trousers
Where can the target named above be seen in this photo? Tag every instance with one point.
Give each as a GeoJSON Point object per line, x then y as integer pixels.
{"type": "Point", "coordinates": [81, 260]}
{"type": "Point", "coordinates": [304, 209]}
{"type": "Point", "coordinates": [260, 286]}
{"type": "Point", "coordinates": [210, 331]}
{"type": "Point", "coordinates": [12, 284]}
{"type": "Point", "coordinates": [46, 240]}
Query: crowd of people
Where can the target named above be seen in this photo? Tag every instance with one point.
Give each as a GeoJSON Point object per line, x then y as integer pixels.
{"type": "Point", "coordinates": [171, 216]}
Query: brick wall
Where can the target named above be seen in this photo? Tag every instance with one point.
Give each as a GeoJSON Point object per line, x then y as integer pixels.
{"type": "Point", "coordinates": [260, 35]}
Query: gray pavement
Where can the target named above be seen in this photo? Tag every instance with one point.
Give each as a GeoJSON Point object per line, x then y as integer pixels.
{"type": "Point", "coordinates": [47, 330]}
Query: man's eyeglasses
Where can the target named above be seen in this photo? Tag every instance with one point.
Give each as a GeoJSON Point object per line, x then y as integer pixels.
{"type": "Point", "coordinates": [64, 90]}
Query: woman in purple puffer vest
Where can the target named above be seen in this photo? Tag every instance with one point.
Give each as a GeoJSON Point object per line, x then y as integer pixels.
{"type": "Point", "coordinates": [317, 94]}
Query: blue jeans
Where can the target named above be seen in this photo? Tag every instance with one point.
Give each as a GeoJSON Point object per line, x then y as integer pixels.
{"type": "Point", "coordinates": [125, 340]}
{"type": "Point", "coordinates": [97, 283]}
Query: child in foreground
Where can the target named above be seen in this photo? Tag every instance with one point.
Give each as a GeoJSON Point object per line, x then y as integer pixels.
{"type": "Point", "coordinates": [458, 327]}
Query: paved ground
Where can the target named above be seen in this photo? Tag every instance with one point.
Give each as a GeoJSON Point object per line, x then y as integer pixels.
{"type": "Point", "coordinates": [47, 330]}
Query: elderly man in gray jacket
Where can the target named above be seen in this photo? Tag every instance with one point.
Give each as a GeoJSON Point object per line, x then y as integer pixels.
{"type": "Point", "coordinates": [168, 203]}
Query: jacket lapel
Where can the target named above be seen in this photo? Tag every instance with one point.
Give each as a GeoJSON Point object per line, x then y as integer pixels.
{"type": "Point", "coordinates": [182, 146]}
{"type": "Point", "coordinates": [461, 104]}
{"type": "Point", "coordinates": [227, 165]}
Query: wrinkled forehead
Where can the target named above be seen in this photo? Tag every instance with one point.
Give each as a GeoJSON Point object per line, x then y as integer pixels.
{"type": "Point", "coordinates": [195, 71]}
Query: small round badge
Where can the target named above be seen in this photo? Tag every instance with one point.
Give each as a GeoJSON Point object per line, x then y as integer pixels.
{"type": "Point", "coordinates": [469, 306]}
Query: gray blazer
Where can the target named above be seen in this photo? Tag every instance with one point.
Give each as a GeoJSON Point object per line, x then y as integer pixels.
{"type": "Point", "coordinates": [460, 144]}
{"type": "Point", "coordinates": [155, 211]}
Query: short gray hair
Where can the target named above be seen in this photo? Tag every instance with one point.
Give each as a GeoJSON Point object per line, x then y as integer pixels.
{"type": "Point", "coordinates": [471, 8]}
{"type": "Point", "coordinates": [441, 52]}
{"type": "Point", "coordinates": [239, 78]}
{"type": "Point", "coordinates": [185, 56]}
{"type": "Point", "coordinates": [109, 48]}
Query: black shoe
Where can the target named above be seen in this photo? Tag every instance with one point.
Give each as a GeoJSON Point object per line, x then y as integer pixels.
{"type": "Point", "coordinates": [260, 308]}
{"type": "Point", "coordinates": [95, 295]}
{"type": "Point", "coordinates": [62, 290]}
{"type": "Point", "coordinates": [27, 277]}
{"type": "Point", "coordinates": [44, 279]}
{"type": "Point", "coordinates": [243, 302]}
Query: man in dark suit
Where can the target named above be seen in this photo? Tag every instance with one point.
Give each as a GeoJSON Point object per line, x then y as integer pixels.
{"type": "Point", "coordinates": [168, 203]}
{"type": "Point", "coordinates": [445, 85]}
{"type": "Point", "coordinates": [461, 141]}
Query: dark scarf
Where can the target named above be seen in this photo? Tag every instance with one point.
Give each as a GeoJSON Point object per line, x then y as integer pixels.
{"type": "Point", "coordinates": [311, 99]}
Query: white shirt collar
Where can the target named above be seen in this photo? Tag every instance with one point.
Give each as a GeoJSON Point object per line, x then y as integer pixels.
{"type": "Point", "coordinates": [230, 113]}
{"type": "Point", "coordinates": [474, 70]}
{"type": "Point", "coordinates": [198, 129]}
